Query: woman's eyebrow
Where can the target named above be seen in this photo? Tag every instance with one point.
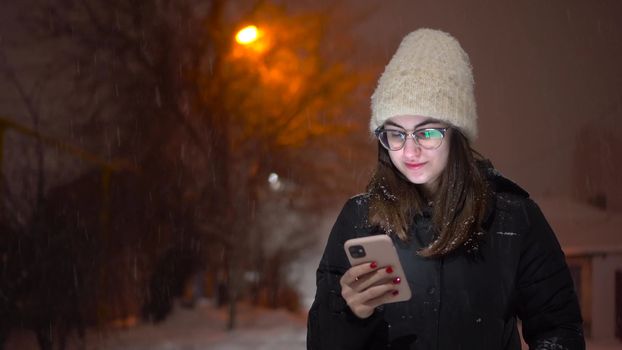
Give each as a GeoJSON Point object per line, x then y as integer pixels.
{"type": "Point", "coordinates": [388, 122]}
{"type": "Point", "coordinates": [426, 122]}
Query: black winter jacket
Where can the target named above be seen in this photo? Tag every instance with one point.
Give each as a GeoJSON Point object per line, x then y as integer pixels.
{"type": "Point", "coordinates": [465, 300]}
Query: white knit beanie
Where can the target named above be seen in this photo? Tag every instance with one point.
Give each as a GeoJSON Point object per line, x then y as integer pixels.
{"type": "Point", "coordinates": [429, 75]}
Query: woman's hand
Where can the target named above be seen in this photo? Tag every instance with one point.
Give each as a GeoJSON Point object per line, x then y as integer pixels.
{"type": "Point", "coordinates": [367, 286]}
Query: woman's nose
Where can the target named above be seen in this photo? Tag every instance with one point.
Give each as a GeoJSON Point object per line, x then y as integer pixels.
{"type": "Point", "coordinates": [411, 148]}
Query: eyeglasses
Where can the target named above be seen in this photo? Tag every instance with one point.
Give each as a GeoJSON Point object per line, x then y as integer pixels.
{"type": "Point", "coordinates": [394, 140]}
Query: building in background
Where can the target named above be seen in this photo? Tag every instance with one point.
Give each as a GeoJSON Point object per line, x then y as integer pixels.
{"type": "Point", "coordinates": [597, 155]}
{"type": "Point", "coordinates": [591, 239]}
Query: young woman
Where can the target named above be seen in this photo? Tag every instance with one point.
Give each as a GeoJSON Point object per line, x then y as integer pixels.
{"type": "Point", "coordinates": [477, 252]}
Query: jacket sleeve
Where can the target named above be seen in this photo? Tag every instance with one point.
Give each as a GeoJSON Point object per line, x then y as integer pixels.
{"type": "Point", "coordinates": [547, 302]}
{"type": "Point", "coordinates": [331, 324]}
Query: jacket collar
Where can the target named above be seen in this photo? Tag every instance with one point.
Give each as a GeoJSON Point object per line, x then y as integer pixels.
{"type": "Point", "coordinates": [497, 183]}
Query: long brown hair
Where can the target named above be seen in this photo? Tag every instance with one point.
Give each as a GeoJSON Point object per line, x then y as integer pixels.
{"type": "Point", "coordinates": [459, 202]}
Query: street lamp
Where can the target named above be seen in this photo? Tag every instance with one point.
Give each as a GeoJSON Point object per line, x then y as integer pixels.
{"type": "Point", "coordinates": [251, 39]}
{"type": "Point", "coordinates": [247, 35]}
{"type": "Point", "coordinates": [274, 181]}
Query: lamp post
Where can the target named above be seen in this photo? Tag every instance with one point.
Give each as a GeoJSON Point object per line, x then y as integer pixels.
{"type": "Point", "coordinates": [249, 46]}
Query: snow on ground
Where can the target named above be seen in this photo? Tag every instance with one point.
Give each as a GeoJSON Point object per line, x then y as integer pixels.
{"type": "Point", "coordinates": [205, 328]}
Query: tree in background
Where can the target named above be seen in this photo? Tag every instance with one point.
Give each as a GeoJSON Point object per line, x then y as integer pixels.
{"type": "Point", "coordinates": [282, 95]}
{"type": "Point", "coordinates": [203, 122]}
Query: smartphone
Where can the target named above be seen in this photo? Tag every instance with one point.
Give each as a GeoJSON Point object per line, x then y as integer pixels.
{"type": "Point", "coordinates": [378, 248]}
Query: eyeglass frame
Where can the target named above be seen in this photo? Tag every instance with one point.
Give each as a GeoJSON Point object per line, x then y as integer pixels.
{"type": "Point", "coordinates": [412, 135]}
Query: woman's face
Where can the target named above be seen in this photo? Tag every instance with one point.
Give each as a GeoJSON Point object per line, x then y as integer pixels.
{"type": "Point", "coordinates": [419, 165]}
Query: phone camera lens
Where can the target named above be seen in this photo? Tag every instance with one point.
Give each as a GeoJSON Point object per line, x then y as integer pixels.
{"type": "Point", "coordinates": [357, 251]}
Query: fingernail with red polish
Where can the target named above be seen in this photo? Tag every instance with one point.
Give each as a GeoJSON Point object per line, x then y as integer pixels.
{"type": "Point", "coordinates": [373, 265]}
{"type": "Point", "coordinates": [395, 292]}
{"type": "Point", "coordinates": [389, 269]}
{"type": "Point", "coordinates": [397, 280]}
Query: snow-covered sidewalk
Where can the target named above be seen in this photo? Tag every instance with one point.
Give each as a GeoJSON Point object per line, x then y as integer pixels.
{"type": "Point", "coordinates": [205, 328]}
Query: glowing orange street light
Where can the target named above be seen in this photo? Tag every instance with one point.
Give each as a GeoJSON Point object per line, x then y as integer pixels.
{"type": "Point", "coordinates": [247, 35]}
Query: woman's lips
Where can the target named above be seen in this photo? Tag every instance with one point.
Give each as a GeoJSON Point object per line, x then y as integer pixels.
{"type": "Point", "coordinates": [414, 166]}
